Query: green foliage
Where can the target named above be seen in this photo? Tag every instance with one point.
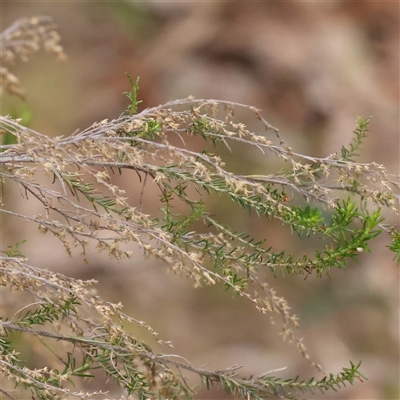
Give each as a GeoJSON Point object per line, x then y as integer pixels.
{"type": "Point", "coordinates": [13, 251]}
{"type": "Point", "coordinates": [395, 245]}
{"type": "Point", "coordinates": [24, 118]}
{"type": "Point", "coordinates": [132, 96]}
{"type": "Point", "coordinates": [48, 312]}
{"type": "Point", "coordinates": [360, 133]}
{"type": "Point", "coordinates": [76, 185]}
{"type": "Point", "coordinates": [254, 388]}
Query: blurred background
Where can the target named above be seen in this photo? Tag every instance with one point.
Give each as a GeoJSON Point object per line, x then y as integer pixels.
{"type": "Point", "coordinates": [312, 67]}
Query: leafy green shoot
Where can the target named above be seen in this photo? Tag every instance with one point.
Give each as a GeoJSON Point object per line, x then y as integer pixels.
{"type": "Point", "coordinates": [360, 133]}
{"type": "Point", "coordinates": [132, 96]}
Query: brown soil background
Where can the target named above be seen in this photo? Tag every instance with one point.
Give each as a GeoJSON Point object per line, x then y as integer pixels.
{"type": "Point", "coordinates": [312, 67]}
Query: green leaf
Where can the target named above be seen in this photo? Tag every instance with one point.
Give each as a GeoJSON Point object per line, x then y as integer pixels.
{"type": "Point", "coordinates": [359, 134]}
{"type": "Point", "coordinates": [132, 96]}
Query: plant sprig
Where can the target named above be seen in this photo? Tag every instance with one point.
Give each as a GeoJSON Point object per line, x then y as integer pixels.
{"type": "Point", "coordinates": [341, 205]}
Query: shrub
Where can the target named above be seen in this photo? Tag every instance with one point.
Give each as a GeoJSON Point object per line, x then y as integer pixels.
{"type": "Point", "coordinates": [334, 198]}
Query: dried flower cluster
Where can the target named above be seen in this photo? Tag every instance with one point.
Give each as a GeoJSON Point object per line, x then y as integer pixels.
{"type": "Point", "coordinates": [83, 205]}
{"type": "Point", "coordinates": [18, 42]}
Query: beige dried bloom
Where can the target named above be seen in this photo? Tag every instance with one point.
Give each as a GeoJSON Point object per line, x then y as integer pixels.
{"type": "Point", "coordinates": [20, 41]}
